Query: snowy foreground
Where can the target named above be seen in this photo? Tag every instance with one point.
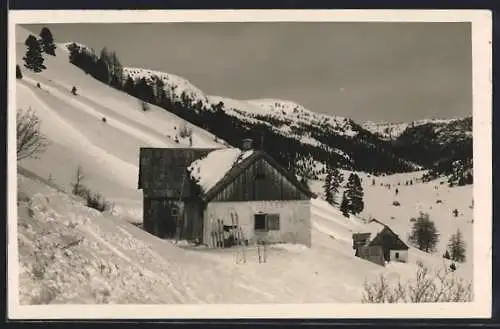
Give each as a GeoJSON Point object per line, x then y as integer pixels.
{"type": "Point", "coordinates": [69, 253]}
{"type": "Point", "coordinates": [73, 254]}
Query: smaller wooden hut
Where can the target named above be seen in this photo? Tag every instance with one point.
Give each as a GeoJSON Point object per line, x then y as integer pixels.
{"type": "Point", "coordinates": [385, 246]}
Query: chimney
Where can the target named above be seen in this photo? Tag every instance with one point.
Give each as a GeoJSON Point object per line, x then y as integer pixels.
{"type": "Point", "coordinates": [247, 144]}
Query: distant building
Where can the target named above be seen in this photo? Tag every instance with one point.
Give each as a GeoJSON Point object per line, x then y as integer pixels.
{"type": "Point", "coordinates": [189, 191]}
{"type": "Point", "coordinates": [386, 246]}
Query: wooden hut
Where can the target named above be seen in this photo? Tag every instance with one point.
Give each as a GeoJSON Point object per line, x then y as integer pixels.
{"type": "Point", "coordinates": [385, 246]}
{"type": "Point", "coordinates": [264, 200]}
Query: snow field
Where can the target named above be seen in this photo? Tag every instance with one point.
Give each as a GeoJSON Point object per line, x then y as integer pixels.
{"type": "Point", "coordinates": [413, 199]}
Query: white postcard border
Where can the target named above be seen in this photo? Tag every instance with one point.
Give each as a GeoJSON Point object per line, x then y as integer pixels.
{"type": "Point", "coordinates": [481, 25]}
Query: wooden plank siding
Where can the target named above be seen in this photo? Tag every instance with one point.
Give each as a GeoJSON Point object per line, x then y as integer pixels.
{"type": "Point", "coordinates": [161, 170]}
{"type": "Point", "coordinates": [189, 191]}
{"type": "Point", "coordinates": [260, 182]}
{"type": "Point", "coordinates": [159, 218]}
{"type": "Point", "coordinates": [193, 221]}
{"type": "Point", "coordinates": [388, 240]}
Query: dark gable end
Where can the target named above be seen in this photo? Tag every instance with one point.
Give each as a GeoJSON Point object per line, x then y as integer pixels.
{"type": "Point", "coordinates": [240, 167]}
{"type": "Point", "coordinates": [388, 239]}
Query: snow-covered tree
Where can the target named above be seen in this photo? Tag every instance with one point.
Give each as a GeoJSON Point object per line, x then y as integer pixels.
{"type": "Point", "coordinates": [461, 173]}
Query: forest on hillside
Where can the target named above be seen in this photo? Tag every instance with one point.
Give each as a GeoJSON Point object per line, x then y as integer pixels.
{"type": "Point", "coordinates": [418, 146]}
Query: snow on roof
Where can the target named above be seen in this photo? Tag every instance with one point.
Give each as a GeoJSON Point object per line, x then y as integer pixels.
{"type": "Point", "coordinates": [373, 228]}
{"type": "Point", "coordinates": [208, 171]}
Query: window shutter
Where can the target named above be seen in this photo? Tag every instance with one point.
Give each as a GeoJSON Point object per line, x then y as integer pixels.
{"type": "Point", "coordinates": [273, 222]}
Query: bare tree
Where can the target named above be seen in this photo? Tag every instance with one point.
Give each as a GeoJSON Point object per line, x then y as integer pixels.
{"type": "Point", "coordinates": [93, 199]}
{"type": "Point", "coordinates": [427, 287]}
{"type": "Point", "coordinates": [30, 141]}
{"type": "Point", "coordinates": [78, 187]}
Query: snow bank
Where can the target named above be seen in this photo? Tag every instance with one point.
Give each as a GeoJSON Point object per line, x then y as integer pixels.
{"type": "Point", "coordinates": [209, 170]}
{"type": "Point", "coordinates": [95, 259]}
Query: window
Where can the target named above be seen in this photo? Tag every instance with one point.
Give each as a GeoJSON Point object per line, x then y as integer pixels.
{"type": "Point", "coordinates": [397, 255]}
{"type": "Point", "coordinates": [260, 222]}
{"type": "Point", "coordinates": [267, 222]}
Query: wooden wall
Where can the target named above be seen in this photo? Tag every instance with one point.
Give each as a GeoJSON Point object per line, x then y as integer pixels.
{"type": "Point", "coordinates": [388, 240]}
{"type": "Point", "coordinates": [374, 254]}
{"type": "Point", "coordinates": [260, 182]}
{"type": "Point", "coordinates": [160, 220]}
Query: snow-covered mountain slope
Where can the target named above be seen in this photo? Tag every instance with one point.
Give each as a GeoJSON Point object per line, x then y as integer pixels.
{"type": "Point", "coordinates": [392, 131]}
{"type": "Point", "coordinates": [286, 125]}
{"type": "Point", "coordinates": [282, 116]}
{"type": "Point", "coordinates": [112, 260]}
{"type": "Point", "coordinates": [286, 111]}
{"type": "Point", "coordinates": [170, 80]}
{"type": "Point", "coordinates": [111, 103]}
{"type": "Point", "coordinates": [309, 134]}
{"type": "Point", "coordinates": [437, 145]}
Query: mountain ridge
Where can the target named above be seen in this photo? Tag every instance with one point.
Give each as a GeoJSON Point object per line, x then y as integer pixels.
{"type": "Point", "coordinates": [295, 134]}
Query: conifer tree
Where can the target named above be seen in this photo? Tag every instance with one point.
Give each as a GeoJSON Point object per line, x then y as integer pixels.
{"type": "Point", "coordinates": [47, 41]}
{"type": "Point", "coordinates": [344, 205]}
{"type": "Point", "coordinates": [456, 247]}
{"type": "Point", "coordinates": [102, 67]}
{"type": "Point", "coordinates": [19, 74]}
{"type": "Point", "coordinates": [337, 179]}
{"type": "Point", "coordinates": [424, 234]}
{"type": "Point", "coordinates": [144, 91]}
{"type": "Point", "coordinates": [129, 86]}
{"type": "Point", "coordinates": [354, 194]}
{"type": "Point", "coordinates": [33, 58]}
{"type": "Point", "coordinates": [327, 187]}
{"type": "Point", "coordinates": [160, 94]}
{"type": "Point", "coordinates": [115, 71]}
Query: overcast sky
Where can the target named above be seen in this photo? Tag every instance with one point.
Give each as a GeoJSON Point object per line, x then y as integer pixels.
{"type": "Point", "coordinates": [366, 71]}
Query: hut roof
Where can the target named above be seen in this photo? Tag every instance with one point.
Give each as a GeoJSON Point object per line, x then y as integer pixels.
{"type": "Point", "coordinates": [164, 168]}
{"type": "Point", "coordinates": [376, 229]}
